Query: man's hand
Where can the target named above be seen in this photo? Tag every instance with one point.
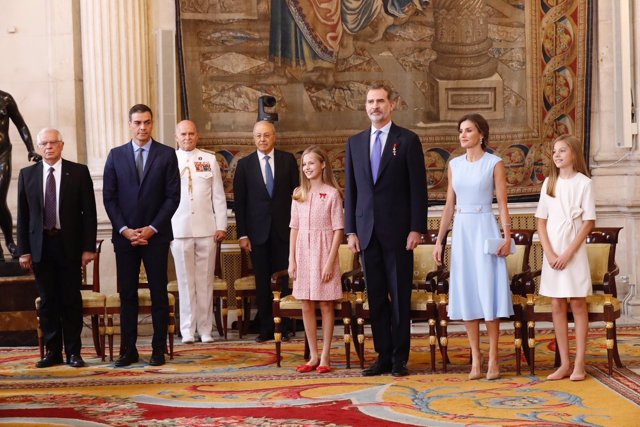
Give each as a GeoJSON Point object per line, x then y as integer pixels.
{"type": "Point", "coordinates": [413, 240]}
{"type": "Point", "coordinates": [25, 261]}
{"type": "Point", "coordinates": [135, 236]}
{"type": "Point", "coordinates": [87, 257]}
{"type": "Point", "coordinates": [245, 244]}
{"type": "Point", "coordinates": [34, 157]}
{"type": "Point", "coordinates": [143, 236]}
{"type": "Point", "coordinates": [354, 243]}
{"type": "Point", "coordinates": [220, 235]}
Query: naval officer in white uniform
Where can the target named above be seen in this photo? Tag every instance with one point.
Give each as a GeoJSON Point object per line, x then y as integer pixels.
{"type": "Point", "coordinates": [198, 224]}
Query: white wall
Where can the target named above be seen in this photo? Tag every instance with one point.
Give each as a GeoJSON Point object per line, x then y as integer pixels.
{"type": "Point", "coordinates": [615, 171]}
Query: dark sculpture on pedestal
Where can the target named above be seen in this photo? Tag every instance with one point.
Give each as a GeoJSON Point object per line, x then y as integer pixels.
{"type": "Point", "coordinates": [9, 112]}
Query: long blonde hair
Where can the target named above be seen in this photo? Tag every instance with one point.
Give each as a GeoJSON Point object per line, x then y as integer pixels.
{"type": "Point", "coordinates": [579, 164]}
{"type": "Point", "coordinates": [301, 193]}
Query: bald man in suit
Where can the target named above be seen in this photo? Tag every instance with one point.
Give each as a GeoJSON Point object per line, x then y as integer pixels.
{"type": "Point", "coordinates": [263, 184]}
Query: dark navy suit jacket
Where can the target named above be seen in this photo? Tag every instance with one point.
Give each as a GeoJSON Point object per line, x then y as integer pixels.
{"type": "Point", "coordinates": [76, 209]}
{"type": "Point", "coordinates": [138, 204]}
{"type": "Point", "coordinates": [397, 203]}
{"type": "Point", "coordinates": [256, 212]}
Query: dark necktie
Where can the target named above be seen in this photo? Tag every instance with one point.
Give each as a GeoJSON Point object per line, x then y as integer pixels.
{"type": "Point", "coordinates": [268, 175]}
{"type": "Point", "coordinates": [375, 156]}
{"type": "Point", "coordinates": [50, 202]}
{"type": "Point", "coordinates": [139, 164]}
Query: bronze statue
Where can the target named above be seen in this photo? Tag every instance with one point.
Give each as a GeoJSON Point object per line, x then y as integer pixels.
{"type": "Point", "coordinates": [9, 111]}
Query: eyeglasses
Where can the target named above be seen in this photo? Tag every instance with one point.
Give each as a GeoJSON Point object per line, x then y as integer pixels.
{"type": "Point", "coordinates": [45, 143]}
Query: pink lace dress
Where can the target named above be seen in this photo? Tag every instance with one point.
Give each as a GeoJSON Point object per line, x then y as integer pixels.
{"type": "Point", "coordinates": [316, 219]}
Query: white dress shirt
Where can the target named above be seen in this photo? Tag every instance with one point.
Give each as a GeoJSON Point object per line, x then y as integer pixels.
{"type": "Point", "coordinates": [57, 174]}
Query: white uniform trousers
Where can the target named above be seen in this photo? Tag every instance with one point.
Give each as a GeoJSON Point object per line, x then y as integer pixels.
{"type": "Point", "coordinates": [195, 263]}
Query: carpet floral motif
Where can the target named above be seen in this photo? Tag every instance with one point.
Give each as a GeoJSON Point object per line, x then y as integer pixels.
{"type": "Point", "coordinates": [237, 383]}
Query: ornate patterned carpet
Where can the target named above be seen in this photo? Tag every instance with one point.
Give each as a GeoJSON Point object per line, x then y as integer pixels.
{"type": "Point", "coordinates": [236, 383]}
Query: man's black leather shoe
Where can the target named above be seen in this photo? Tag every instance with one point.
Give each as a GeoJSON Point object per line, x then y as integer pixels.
{"type": "Point", "coordinates": [50, 359]}
{"type": "Point", "coordinates": [75, 361]}
{"type": "Point", "coordinates": [127, 359]}
{"type": "Point", "coordinates": [399, 370]}
{"type": "Point", "coordinates": [377, 369]}
{"type": "Point", "coordinates": [286, 336]}
{"type": "Point", "coordinates": [157, 358]}
{"type": "Point", "coordinates": [262, 338]}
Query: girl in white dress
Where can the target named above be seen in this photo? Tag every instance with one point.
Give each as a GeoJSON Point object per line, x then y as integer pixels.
{"type": "Point", "coordinates": [566, 214]}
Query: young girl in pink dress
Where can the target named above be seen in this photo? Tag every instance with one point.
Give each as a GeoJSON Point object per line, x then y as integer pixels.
{"type": "Point", "coordinates": [317, 224]}
{"type": "Point", "coordinates": [566, 214]}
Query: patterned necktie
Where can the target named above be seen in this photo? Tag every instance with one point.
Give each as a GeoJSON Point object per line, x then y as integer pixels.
{"type": "Point", "coordinates": [139, 164]}
{"type": "Point", "coordinates": [50, 202]}
{"type": "Point", "coordinates": [375, 156]}
{"type": "Point", "coordinates": [269, 175]}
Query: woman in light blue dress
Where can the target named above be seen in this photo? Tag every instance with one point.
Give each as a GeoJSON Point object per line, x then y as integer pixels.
{"type": "Point", "coordinates": [479, 284]}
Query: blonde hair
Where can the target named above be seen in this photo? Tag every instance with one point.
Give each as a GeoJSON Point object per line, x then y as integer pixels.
{"type": "Point", "coordinates": [301, 193]}
{"type": "Point", "coordinates": [579, 164]}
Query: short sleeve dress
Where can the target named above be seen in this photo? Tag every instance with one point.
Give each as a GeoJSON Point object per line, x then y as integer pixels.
{"type": "Point", "coordinates": [316, 219]}
{"type": "Point", "coordinates": [479, 282]}
{"type": "Point", "coordinates": [573, 203]}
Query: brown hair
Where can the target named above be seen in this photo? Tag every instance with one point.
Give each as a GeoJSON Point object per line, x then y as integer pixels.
{"type": "Point", "coordinates": [301, 193]}
{"type": "Point", "coordinates": [379, 84]}
{"type": "Point", "coordinates": [579, 164]}
{"type": "Point", "coordinates": [481, 124]}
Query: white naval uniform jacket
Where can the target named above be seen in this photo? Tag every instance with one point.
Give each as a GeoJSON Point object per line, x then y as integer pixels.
{"type": "Point", "coordinates": [203, 206]}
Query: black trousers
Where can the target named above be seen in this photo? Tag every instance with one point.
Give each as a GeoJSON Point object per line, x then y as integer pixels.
{"type": "Point", "coordinates": [267, 258]}
{"type": "Point", "coordinates": [155, 258]}
{"type": "Point", "coordinates": [388, 273]}
{"type": "Point", "coordinates": [58, 280]}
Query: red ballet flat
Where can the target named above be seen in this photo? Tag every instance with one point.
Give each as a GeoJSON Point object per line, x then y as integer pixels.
{"type": "Point", "coordinates": [306, 368]}
{"type": "Point", "coordinates": [323, 369]}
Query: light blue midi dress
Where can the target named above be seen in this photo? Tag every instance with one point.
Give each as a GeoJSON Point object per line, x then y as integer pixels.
{"type": "Point", "coordinates": [479, 282]}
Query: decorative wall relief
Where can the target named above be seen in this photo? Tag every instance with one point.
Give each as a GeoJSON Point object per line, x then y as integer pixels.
{"type": "Point", "coordinates": [522, 64]}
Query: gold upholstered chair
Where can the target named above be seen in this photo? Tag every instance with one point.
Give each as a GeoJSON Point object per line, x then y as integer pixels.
{"type": "Point", "coordinates": [93, 303]}
{"type": "Point", "coordinates": [245, 289]}
{"type": "Point", "coordinates": [291, 307]}
{"type": "Point", "coordinates": [602, 306]}
{"type": "Point", "coordinates": [425, 278]}
{"type": "Point", "coordinates": [517, 266]}
{"type": "Point", "coordinates": [423, 305]}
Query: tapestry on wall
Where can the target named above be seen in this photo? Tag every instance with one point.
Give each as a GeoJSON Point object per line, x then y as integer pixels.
{"type": "Point", "coordinates": [521, 64]}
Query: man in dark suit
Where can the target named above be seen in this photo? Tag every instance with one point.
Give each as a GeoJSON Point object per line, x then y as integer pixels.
{"type": "Point", "coordinates": [263, 184]}
{"type": "Point", "coordinates": [141, 192]}
{"type": "Point", "coordinates": [56, 236]}
{"type": "Point", "coordinates": [385, 212]}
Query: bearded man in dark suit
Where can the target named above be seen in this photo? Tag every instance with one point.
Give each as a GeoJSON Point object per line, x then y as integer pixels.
{"type": "Point", "coordinates": [385, 212]}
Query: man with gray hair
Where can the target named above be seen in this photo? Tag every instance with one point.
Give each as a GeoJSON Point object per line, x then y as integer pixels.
{"type": "Point", "coordinates": [57, 228]}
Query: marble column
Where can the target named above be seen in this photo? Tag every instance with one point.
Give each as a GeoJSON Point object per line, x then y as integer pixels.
{"type": "Point", "coordinates": [116, 71]}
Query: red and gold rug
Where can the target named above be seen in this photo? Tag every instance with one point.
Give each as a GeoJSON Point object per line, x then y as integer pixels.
{"type": "Point", "coordinates": [236, 383]}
